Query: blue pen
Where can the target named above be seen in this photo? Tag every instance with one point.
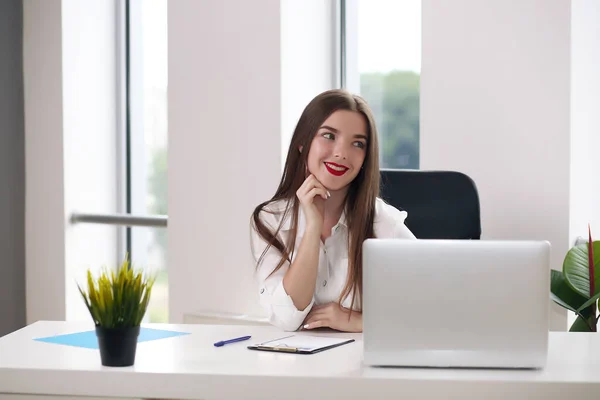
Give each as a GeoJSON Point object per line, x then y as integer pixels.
{"type": "Point", "coordinates": [224, 342]}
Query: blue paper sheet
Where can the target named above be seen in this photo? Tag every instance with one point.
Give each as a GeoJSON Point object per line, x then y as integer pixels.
{"type": "Point", "coordinates": [88, 339]}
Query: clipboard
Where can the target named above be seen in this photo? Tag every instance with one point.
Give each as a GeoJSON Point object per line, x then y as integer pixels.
{"type": "Point", "coordinates": [300, 344]}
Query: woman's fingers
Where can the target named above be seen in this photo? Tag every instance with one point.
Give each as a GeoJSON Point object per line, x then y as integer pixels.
{"type": "Point", "coordinates": [318, 316]}
{"type": "Point", "coordinates": [315, 315]}
{"type": "Point", "coordinates": [311, 195]}
{"type": "Point", "coordinates": [305, 185]}
{"type": "Point", "coordinates": [311, 188]}
{"type": "Point", "coordinates": [317, 192]}
{"type": "Point", "coordinates": [313, 325]}
{"type": "Point", "coordinates": [316, 182]}
{"type": "Point", "coordinates": [309, 183]}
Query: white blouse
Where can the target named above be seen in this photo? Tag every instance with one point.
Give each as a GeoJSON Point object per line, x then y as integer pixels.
{"type": "Point", "coordinates": [333, 261]}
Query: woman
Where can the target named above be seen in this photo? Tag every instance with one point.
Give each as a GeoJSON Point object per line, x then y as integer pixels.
{"type": "Point", "coordinates": [307, 239]}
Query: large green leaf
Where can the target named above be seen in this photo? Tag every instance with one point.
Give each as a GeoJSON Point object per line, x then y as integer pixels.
{"type": "Point", "coordinates": [561, 303]}
{"type": "Point", "coordinates": [579, 326]}
{"type": "Point", "coordinates": [576, 271]}
{"type": "Point", "coordinates": [584, 321]}
{"type": "Point", "coordinates": [588, 303]}
{"type": "Point", "coordinates": [559, 289]}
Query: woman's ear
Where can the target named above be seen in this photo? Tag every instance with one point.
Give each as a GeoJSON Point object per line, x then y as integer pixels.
{"type": "Point", "coordinates": [300, 149]}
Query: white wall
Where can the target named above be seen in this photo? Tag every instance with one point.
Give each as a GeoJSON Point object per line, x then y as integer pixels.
{"type": "Point", "coordinates": [235, 94]}
{"type": "Point", "coordinates": [585, 119]}
{"type": "Point", "coordinates": [44, 153]}
{"type": "Point", "coordinates": [224, 147]}
{"type": "Point", "coordinates": [70, 136]}
{"type": "Point", "coordinates": [495, 104]}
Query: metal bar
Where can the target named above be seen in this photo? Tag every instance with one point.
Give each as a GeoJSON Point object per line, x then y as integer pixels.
{"type": "Point", "coordinates": [156, 221]}
{"type": "Point", "coordinates": [127, 160]}
{"type": "Point", "coordinates": [343, 44]}
{"type": "Point", "coordinates": [121, 133]}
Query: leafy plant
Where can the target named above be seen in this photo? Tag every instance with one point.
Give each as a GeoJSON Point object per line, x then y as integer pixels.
{"type": "Point", "coordinates": [577, 287]}
{"type": "Point", "coordinates": [118, 299]}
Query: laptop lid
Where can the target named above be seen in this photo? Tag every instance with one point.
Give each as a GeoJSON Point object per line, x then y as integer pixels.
{"type": "Point", "coordinates": [456, 303]}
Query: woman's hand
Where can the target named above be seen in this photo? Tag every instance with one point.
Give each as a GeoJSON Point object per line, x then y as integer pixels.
{"type": "Point", "coordinates": [312, 195]}
{"type": "Point", "coordinates": [333, 316]}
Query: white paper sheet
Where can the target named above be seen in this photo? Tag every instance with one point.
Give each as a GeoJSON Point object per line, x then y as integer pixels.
{"type": "Point", "coordinates": [303, 343]}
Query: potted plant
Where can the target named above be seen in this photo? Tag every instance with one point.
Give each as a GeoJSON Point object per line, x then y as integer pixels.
{"type": "Point", "coordinates": [117, 301]}
{"type": "Point", "coordinates": [577, 287]}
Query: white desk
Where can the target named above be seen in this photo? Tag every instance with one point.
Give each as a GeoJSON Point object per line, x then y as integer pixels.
{"type": "Point", "coordinates": [190, 367]}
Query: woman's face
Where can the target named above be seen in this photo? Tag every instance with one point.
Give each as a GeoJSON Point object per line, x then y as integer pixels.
{"type": "Point", "coordinates": [338, 150]}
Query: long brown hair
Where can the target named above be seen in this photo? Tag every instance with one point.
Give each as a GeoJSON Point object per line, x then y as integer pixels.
{"type": "Point", "coordinates": [360, 200]}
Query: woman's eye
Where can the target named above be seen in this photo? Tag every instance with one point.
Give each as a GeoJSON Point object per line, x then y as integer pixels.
{"type": "Point", "coordinates": [328, 135]}
{"type": "Point", "coordinates": [360, 145]}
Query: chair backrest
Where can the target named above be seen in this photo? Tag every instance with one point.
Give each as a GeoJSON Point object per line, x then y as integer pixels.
{"type": "Point", "coordinates": [440, 204]}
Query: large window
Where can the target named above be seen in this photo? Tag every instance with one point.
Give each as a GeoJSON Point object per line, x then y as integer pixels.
{"type": "Point", "coordinates": [383, 63]}
{"type": "Point", "coordinates": [147, 141]}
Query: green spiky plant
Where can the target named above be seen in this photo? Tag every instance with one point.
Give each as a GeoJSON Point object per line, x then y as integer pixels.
{"type": "Point", "coordinates": [118, 299]}
{"type": "Point", "coordinates": [577, 287]}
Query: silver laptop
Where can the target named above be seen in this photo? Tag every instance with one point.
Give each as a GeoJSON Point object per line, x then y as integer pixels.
{"type": "Point", "coordinates": [456, 303]}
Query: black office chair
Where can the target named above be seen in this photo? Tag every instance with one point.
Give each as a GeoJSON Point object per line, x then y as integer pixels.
{"type": "Point", "coordinates": [440, 204]}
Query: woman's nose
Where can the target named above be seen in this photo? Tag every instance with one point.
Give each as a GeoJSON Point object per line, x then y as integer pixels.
{"type": "Point", "coordinates": [339, 152]}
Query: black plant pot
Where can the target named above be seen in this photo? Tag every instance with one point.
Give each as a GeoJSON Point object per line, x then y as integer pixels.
{"type": "Point", "coordinates": [117, 345]}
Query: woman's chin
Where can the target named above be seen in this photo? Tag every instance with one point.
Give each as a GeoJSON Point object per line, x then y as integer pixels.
{"type": "Point", "coordinates": [334, 185]}
{"type": "Point", "coordinates": [331, 182]}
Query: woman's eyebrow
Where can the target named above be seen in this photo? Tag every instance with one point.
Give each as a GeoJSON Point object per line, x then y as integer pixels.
{"type": "Point", "coordinates": [356, 136]}
{"type": "Point", "coordinates": [330, 128]}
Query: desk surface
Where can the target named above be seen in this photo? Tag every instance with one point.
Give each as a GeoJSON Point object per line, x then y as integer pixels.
{"type": "Point", "coordinates": [190, 367]}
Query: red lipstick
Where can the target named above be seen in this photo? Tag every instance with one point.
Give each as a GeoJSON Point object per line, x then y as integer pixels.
{"type": "Point", "coordinates": [339, 169]}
